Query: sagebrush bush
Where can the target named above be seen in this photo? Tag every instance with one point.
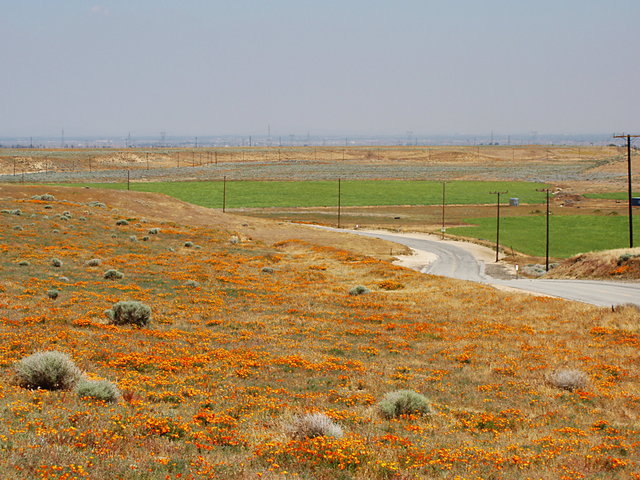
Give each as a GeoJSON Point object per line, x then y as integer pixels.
{"type": "Point", "coordinates": [403, 402]}
{"type": "Point", "coordinates": [129, 313]}
{"type": "Point", "coordinates": [53, 293]}
{"type": "Point", "coordinates": [188, 244]}
{"type": "Point", "coordinates": [24, 263]}
{"type": "Point", "coordinates": [234, 240]}
{"type": "Point", "coordinates": [191, 284]}
{"type": "Point", "coordinates": [267, 270]}
{"type": "Point", "coordinates": [98, 389]}
{"type": "Point", "coordinates": [359, 290]}
{"type": "Point", "coordinates": [51, 370]}
{"type": "Point", "coordinates": [112, 273]}
{"type": "Point", "coordinates": [56, 262]}
{"type": "Point", "coordinates": [568, 379]}
{"type": "Point", "coordinates": [154, 231]}
{"type": "Point", "coordinates": [94, 262]}
{"type": "Point", "coordinates": [314, 425]}
{"type": "Point", "coordinates": [122, 222]}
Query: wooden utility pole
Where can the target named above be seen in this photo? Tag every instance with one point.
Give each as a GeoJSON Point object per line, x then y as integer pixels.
{"type": "Point", "coordinates": [339, 201]}
{"type": "Point", "coordinates": [630, 190]}
{"type": "Point", "coordinates": [498, 222]}
{"type": "Point", "coordinates": [443, 203]}
{"type": "Point", "coordinates": [547, 248]}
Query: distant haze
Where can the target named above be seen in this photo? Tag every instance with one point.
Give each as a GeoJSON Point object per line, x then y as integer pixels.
{"type": "Point", "coordinates": [407, 68]}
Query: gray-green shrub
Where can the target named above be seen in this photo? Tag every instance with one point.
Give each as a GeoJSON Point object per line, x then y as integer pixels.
{"type": "Point", "coordinates": [53, 293]}
{"type": "Point", "coordinates": [403, 402]}
{"type": "Point", "coordinates": [56, 262]}
{"type": "Point", "coordinates": [359, 290]}
{"type": "Point", "coordinates": [113, 274]}
{"type": "Point", "coordinates": [94, 262]}
{"type": "Point", "coordinates": [129, 313]}
{"type": "Point", "coordinates": [154, 231]}
{"type": "Point", "coordinates": [122, 222]}
{"type": "Point", "coordinates": [51, 370]}
{"type": "Point", "coordinates": [98, 389]}
{"type": "Point", "coordinates": [191, 284]}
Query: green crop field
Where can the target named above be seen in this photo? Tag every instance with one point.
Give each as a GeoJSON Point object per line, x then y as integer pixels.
{"type": "Point", "coordinates": [256, 194]}
{"type": "Point", "coordinates": [569, 235]}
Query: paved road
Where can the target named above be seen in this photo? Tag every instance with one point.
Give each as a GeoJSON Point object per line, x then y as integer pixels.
{"type": "Point", "coordinates": [453, 261]}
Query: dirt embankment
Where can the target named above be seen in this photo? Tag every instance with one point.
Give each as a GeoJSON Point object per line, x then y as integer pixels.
{"type": "Point", "coordinates": [620, 264]}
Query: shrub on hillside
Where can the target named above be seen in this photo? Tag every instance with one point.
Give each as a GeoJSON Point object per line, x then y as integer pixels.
{"type": "Point", "coordinates": [403, 402]}
{"type": "Point", "coordinates": [112, 274]}
{"type": "Point", "coordinates": [98, 389]}
{"type": "Point", "coordinates": [314, 425]}
{"type": "Point", "coordinates": [122, 222]}
{"type": "Point", "coordinates": [50, 370]}
{"type": "Point", "coordinates": [359, 290]}
{"type": "Point", "coordinates": [568, 379]}
{"type": "Point", "coordinates": [56, 262]}
{"type": "Point", "coordinates": [94, 262]}
{"type": "Point", "coordinates": [53, 293]}
{"type": "Point", "coordinates": [129, 313]}
{"type": "Point", "coordinates": [154, 231]}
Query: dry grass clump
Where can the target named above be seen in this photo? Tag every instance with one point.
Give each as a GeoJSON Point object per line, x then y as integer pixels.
{"type": "Point", "coordinates": [129, 313]}
{"type": "Point", "coordinates": [403, 402]}
{"type": "Point", "coordinates": [51, 370]}
{"type": "Point", "coordinates": [314, 425]}
{"type": "Point", "coordinates": [569, 379]}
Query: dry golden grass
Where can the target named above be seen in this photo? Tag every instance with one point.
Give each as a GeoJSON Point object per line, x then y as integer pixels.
{"type": "Point", "coordinates": [210, 388]}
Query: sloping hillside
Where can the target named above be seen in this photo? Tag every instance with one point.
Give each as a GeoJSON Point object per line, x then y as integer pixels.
{"type": "Point", "coordinates": [252, 329]}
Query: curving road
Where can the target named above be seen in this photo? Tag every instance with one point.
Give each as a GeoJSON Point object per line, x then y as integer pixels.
{"type": "Point", "coordinates": [453, 261]}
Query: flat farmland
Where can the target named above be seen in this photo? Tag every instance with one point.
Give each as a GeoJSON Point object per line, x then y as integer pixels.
{"type": "Point", "coordinates": [257, 194]}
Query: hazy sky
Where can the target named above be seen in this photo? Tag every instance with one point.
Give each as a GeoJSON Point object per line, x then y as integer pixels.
{"type": "Point", "coordinates": [210, 67]}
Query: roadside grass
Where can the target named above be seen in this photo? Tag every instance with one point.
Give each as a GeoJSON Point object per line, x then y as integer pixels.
{"type": "Point", "coordinates": [210, 388]}
{"type": "Point", "coordinates": [256, 194]}
{"type": "Point", "coordinates": [569, 235]}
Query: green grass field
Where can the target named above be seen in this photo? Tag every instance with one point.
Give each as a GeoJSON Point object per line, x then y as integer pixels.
{"type": "Point", "coordinates": [569, 235]}
{"type": "Point", "coordinates": [256, 194]}
{"type": "Point", "coordinates": [611, 195]}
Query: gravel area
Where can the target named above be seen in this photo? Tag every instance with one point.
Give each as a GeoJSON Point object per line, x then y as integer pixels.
{"type": "Point", "coordinates": [292, 170]}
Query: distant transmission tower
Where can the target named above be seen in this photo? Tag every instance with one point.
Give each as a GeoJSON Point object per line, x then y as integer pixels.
{"type": "Point", "coordinates": [163, 137]}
